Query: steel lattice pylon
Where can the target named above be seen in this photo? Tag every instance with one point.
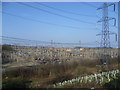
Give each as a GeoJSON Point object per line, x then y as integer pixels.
{"type": "Point", "coordinates": [105, 34]}
{"type": "Point", "coordinates": [105, 40]}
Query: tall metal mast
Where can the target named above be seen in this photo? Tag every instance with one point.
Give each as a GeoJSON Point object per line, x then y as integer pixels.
{"type": "Point", "coordinates": [105, 33]}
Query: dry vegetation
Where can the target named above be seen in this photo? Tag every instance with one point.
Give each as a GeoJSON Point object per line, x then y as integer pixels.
{"type": "Point", "coordinates": [45, 75]}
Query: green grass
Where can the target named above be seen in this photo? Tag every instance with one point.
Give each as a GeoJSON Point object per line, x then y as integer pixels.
{"type": "Point", "coordinates": [14, 83]}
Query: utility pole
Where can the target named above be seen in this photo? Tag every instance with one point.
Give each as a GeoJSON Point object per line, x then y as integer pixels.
{"type": "Point", "coordinates": [119, 24]}
{"type": "Point", "coordinates": [52, 48]}
{"type": "Point", "coordinates": [51, 43]}
{"type": "Point", "coordinates": [80, 42]}
{"type": "Point", "coordinates": [105, 33]}
{"type": "Point", "coordinates": [119, 34]}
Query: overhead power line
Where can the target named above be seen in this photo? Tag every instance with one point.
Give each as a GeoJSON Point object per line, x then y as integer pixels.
{"type": "Point", "coordinates": [30, 19]}
{"type": "Point", "coordinates": [65, 11]}
{"type": "Point", "coordinates": [22, 40]}
{"type": "Point", "coordinates": [60, 15]}
{"type": "Point", "coordinates": [91, 5]}
{"type": "Point", "coordinates": [45, 42]}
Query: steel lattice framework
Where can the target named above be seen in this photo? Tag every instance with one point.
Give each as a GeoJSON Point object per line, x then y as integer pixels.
{"type": "Point", "coordinates": [105, 41]}
{"type": "Point", "coordinates": [105, 34]}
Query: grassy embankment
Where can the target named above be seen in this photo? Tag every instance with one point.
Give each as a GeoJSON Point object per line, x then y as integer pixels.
{"type": "Point", "coordinates": [46, 75]}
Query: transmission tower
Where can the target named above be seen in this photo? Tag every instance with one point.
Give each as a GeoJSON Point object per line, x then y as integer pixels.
{"type": "Point", "coordinates": [105, 33]}
{"type": "Point", "coordinates": [119, 26]}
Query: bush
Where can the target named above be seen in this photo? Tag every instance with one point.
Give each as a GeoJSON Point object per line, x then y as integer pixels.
{"type": "Point", "coordinates": [80, 70]}
{"type": "Point", "coordinates": [6, 47]}
{"type": "Point", "coordinates": [61, 78]}
{"type": "Point", "coordinates": [114, 84]}
{"type": "Point", "coordinates": [88, 63]}
{"type": "Point", "coordinates": [53, 72]}
{"type": "Point", "coordinates": [6, 54]}
{"type": "Point", "coordinates": [14, 83]}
